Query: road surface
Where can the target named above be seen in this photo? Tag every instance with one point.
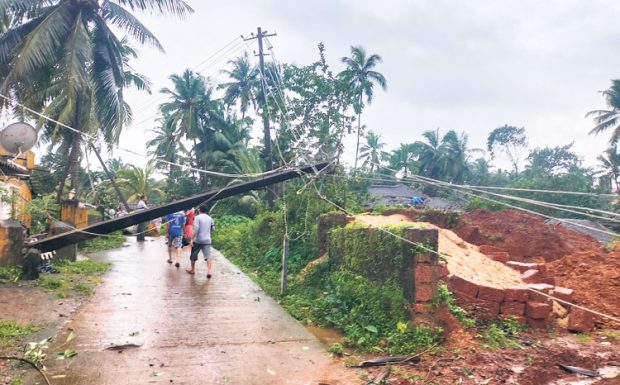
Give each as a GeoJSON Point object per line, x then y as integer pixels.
{"type": "Point", "coordinates": [187, 329]}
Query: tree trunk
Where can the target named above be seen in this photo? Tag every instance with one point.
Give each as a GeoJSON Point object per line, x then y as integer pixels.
{"type": "Point", "coordinates": [74, 161]}
{"type": "Point", "coordinates": [61, 185]}
{"type": "Point", "coordinates": [74, 157]}
{"type": "Point", "coordinates": [359, 131]}
{"type": "Point", "coordinates": [112, 180]}
{"type": "Point", "coordinates": [357, 146]}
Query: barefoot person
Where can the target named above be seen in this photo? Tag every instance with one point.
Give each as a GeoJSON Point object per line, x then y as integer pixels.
{"type": "Point", "coordinates": [203, 226]}
{"type": "Point", "coordinates": [174, 227]}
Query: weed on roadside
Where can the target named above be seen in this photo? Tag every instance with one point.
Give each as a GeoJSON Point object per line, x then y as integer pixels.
{"type": "Point", "coordinates": [12, 331]}
{"type": "Point", "coordinates": [583, 338]}
{"type": "Point", "coordinates": [10, 274]}
{"type": "Point", "coordinates": [445, 297]}
{"type": "Point", "coordinates": [75, 278]}
{"type": "Point", "coordinates": [111, 241]}
{"type": "Point", "coordinates": [501, 334]}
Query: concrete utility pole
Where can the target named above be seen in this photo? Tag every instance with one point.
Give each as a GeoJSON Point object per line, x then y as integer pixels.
{"type": "Point", "coordinates": [260, 35]}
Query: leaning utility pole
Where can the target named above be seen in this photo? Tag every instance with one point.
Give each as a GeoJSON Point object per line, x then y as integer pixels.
{"type": "Point", "coordinates": [263, 85]}
{"type": "Point", "coordinates": [119, 194]}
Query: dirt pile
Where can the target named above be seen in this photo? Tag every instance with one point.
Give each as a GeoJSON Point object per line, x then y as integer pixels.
{"type": "Point", "coordinates": [526, 237]}
{"type": "Point", "coordinates": [595, 277]}
{"type": "Point", "coordinates": [463, 259]}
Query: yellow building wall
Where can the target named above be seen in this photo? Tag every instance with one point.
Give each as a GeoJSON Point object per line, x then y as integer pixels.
{"type": "Point", "coordinates": [22, 188]}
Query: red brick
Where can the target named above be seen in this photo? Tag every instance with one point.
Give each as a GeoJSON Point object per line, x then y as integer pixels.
{"type": "Point", "coordinates": [516, 295]}
{"type": "Point", "coordinates": [498, 256]}
{"type": "Point", "coordinates": [580, 321]}
{"type": "Point", "coordinates": [537, 323]}
{"type": "Point", "coordinates": [537, 310]}
{"type": "Point", "coordinates": [424, 292]}
{"type": "Point", "coordinates": [463, 286]}
{"type": "Point", "coordinates": [541, 287]}
{"type": "Point", "coordinates": [426, 273]}
{"type": "Point", "coordinates": [532, 276]}
{"type": "Point", "coordinates": [562, 293]}
{"type": "Point", "coordinates": [478, 308]}
{"type": "Point", "coordinates": [491, 294]}
{"type": "Point", "coordinates": [523, 267]}
{"type": "Point", "coordinates": [421, 308]}
{"type": "Point", "coordinates": [424, 258]}
{"type": "Point", "coordinates": [484, 249]}
{"type": "Point", "coordinates": [548, 281]}
{"type": "Point", "coordinates": [512, 308]}
{"type": "Point", "coordinates": [443, 270]}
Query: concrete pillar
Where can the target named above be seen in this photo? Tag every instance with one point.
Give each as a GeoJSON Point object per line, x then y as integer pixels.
{"type": "Point", "coordinates": [69, 252]}
{"type": "Point", "coordinates": [73, 213]}
{"type": "Point", "coordinates": [12, 235]}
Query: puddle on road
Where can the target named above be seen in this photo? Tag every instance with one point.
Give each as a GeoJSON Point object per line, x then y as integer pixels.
{"type": "Point", "coordinates": [327, 336]}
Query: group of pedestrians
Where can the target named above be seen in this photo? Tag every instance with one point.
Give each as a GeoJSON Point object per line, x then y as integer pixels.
{"type": "Point", "coordinates": [190, 228]}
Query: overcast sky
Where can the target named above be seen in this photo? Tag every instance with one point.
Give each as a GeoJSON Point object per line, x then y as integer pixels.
{"type": "Point", "coordinates": [464, 65]}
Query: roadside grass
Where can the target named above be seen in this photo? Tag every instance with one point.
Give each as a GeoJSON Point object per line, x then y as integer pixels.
{"type": "Point", "coordinates": [501, 334]}
{"type": "Point", "coordinates": [111, 241]}
{"type": "Point", "coordinates": [12, 331]}
{"type": "Point", "coordinates": [75, 278]}
{"type": "Point", "coordinates": [10, 274]}
{"type": "Point", "coordinates": [583, 338]}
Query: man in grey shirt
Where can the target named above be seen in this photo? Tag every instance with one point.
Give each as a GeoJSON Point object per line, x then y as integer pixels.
{"type": "Point", "coordinates": [203, 226]}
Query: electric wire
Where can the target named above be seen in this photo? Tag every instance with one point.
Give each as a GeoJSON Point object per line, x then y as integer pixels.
{"type": "Point", "coordinates": [424, 247]}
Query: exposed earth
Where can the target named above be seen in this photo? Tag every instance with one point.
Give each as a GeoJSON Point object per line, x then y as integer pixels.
{"type": "Point", "coordinates": [187, 329]}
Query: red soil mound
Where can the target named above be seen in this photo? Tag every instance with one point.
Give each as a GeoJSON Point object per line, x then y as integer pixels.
{"type": "Point", "coordinates": [526, 237]}
{"type": "Point", "coordinates": [595, 277]}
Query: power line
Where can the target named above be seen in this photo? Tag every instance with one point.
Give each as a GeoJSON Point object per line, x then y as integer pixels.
{"type": "Point", "coordinates": [94, 139]}
{"type": "Point", "coordinates": [423, 246]}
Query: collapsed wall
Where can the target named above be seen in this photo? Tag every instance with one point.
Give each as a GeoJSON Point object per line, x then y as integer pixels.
{"type": "Point", "coordinates": [382, 258]}
{"type": "Point", "coordinates": [484, 279]}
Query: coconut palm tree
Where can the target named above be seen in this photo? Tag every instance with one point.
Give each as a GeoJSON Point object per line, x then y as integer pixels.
{"type": "Point", "coordinates": [608, 119]}
{"type": "Point", "coordinates": [610, 165]}
{"type": "Point", "coordinates": [64, 58]}
{"type": "Point", "coordinates": [430, 155]}
{"type": "Point", "coordinates": [135, 181]}
{"type": "Point", "coordinates": [403, 158]}
{"type": "Point", "coordinates": [361, 78]}
{"type": "Point", "coordinates": [196, 114]}
{"type": "Point", "coordinates": [167, 145]}
{"type": "Point", "coordinates": [372, 152]}
{"type": "Point", "coordinates": [243, 86]}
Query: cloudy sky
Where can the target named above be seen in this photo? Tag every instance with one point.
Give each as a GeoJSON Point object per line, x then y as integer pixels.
{"type": "Point", "coordinates": [464, 65]}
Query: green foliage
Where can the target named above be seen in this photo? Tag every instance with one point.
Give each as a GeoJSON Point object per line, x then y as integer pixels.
{"type": "Point", "coordinates": [501, 334]}
{"type": "Point", "coordinates": [336, 348]}
{"type": "Point", "coordinates": [12, 331]}
{"type": "Point", "coordinates": [483, 204]}
{"type": "Point", "coordinates": [368, 313]}
{"type": "Point", "coordinates": [445, 297]}
{"type": "Point", "coordinates": [75, 278]}
{"type": "Point", "coordinates": [111, 241]}
{"type": "Point", "coordinates": [10, 274]}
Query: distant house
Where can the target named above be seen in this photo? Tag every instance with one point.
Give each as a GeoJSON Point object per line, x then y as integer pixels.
{"type": "Point", "coordinates": [393, 194]}
{"type": "Point", "coordinates": [390, 195]}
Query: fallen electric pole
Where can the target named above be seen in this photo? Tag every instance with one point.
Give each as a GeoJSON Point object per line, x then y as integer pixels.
{"type": "Point", "coordinates": [106, 227]}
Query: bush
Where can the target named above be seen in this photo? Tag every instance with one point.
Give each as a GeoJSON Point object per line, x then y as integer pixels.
{"type": "Point", "coordinates": [479, 203]}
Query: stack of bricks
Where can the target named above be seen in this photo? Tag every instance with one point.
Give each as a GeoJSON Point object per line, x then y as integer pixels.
{"type": "Point", "coordinates": [526, 303]}
{"type": "Point", "coordinates": [532, 272]}
{"type": "Point", "coordinates": [426, 269]}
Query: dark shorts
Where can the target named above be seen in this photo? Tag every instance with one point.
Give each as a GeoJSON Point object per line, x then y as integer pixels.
{"type": "Point", "coordinates": [196, 248]}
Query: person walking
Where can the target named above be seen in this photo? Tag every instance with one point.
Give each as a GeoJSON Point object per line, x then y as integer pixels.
{"type": "Point", "coordinates": [174, 229]}
{"type": "Point", "coordinates": [189, 223]}
{"type": "Point", "coordinates": [203, 226]}
{"type": "Point", "coordinates": [142, 205]}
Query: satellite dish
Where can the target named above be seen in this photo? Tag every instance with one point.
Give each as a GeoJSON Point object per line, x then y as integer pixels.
{"type": "Point", "coordinates": [18, 137]}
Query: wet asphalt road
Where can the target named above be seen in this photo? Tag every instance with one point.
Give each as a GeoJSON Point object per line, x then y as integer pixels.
{"type": "Point", "coordinates": [189, 330]}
